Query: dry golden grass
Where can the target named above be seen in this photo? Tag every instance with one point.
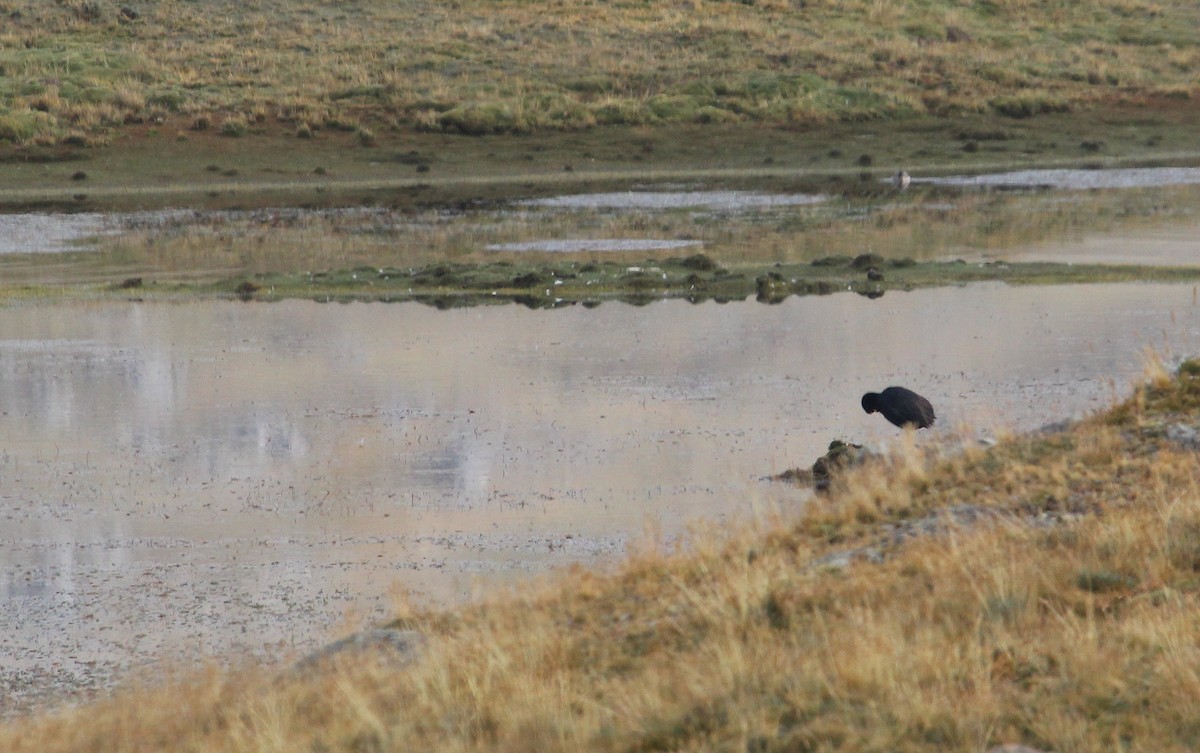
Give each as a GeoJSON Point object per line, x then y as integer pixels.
{"type": "Point", "coordinates": [517, 66]}
{"type": "Point", "coordinates": [1066, 622]}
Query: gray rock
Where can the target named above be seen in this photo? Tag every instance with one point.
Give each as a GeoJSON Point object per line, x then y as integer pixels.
{"type": "Point", "coordinates": [388, 646]}
{"type": "Point", "coordinates": [1185, 436]}
{"type": "Point", "coordinates": [843, 560]}
{"type": "Point", "coordinates": [938, 522]}
{"type": "Point", "coordinates": [841, 455]}
{"type": "Point", "coordinates": [835, 560]}
{"type": "Point", "coordinates": [1056, 427]}
{"type": "Point", "coordinates": [895, 534]}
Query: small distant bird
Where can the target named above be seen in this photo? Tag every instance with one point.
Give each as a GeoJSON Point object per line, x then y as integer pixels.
{"type": "Point", "coordinates": [901, 406]}
{"type": "Point", "coordinates": [901, 180]}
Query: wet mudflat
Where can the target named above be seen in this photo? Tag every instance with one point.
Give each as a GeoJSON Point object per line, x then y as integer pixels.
{"type": "Point", "coordinates": [208, 479]}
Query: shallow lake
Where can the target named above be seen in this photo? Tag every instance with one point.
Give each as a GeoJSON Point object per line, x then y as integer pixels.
{"type": "Point", "coordinates": [214, 477]}
{"type": "Point", "coordinates": [1176, 244]}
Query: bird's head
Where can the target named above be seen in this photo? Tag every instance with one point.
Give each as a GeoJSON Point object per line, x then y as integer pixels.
{"type": "Point", "coordinates": [869, 402]}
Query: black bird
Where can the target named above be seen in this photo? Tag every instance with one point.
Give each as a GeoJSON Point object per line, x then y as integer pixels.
{"type": "Point", "coordinates": [901, 406]}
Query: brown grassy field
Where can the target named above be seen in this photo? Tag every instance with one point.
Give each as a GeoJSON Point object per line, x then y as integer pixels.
{"type": "Point", "coordinates": [108, 105]}
{"type": "Point", "coordinates": [81, 71]}
{"type": "Point", "coordinates": [1065, 620]}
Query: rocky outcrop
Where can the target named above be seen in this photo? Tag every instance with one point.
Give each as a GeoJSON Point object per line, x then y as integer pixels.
{"type": "Point", "coordinates": [386, 646]}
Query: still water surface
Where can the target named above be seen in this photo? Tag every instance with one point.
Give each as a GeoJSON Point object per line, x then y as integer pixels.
{"type": "Point", "coordinates": [201, 478]}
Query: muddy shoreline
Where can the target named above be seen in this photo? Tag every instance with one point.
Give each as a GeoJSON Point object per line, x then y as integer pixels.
{"type": "Point", "coordinates": [149, 168]}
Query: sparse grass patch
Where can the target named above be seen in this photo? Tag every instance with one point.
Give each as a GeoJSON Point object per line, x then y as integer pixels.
{"type": "Point", "coordinates": [234, 125]}
{"type": "Point", "coordinates": [1027, 104]}
{"type": "Point", "coordinates": [23, 125]}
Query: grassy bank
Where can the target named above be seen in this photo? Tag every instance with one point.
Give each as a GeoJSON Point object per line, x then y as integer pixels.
{"type": "Point", "coordinates": [1063, 618]}
{"type": "Point", "coordinates": [81, 71]}
{"type": "Point", "coordinates": [108, 105]}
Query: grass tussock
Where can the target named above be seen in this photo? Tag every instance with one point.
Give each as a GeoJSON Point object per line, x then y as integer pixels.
{"type": "Point", "coordinates": [1065, 619]}
{"type": "Point", "coordinates": [516, 66]}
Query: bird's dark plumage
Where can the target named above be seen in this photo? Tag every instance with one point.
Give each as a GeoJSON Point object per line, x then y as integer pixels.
{"type": "Point", "coordinates": [901, 406]}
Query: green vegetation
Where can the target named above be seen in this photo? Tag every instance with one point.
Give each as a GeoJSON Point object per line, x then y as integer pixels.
{"type": "Point", "coordinates": [1064, 618]}
{"type": "Point", "coordinates": [95, 68]}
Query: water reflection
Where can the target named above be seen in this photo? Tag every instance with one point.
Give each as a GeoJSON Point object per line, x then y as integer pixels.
{"type": "Point", "coordinates": [1068, 179]}
{"type": "Point", "coordinates": [49, 233]}
{"type": "Point", "coordinates": [216, 475]}
{"type": "Point", "coordinates": [1165, 245]}
{"type": "Point", "coordinates": [729, 201]}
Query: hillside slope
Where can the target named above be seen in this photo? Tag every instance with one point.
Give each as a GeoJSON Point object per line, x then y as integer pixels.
{"type": "Point", "coordinates": [82, 70]}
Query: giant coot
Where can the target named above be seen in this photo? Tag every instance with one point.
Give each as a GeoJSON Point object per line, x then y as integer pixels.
{"type": "Point", "coordinates": [901, 406]}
